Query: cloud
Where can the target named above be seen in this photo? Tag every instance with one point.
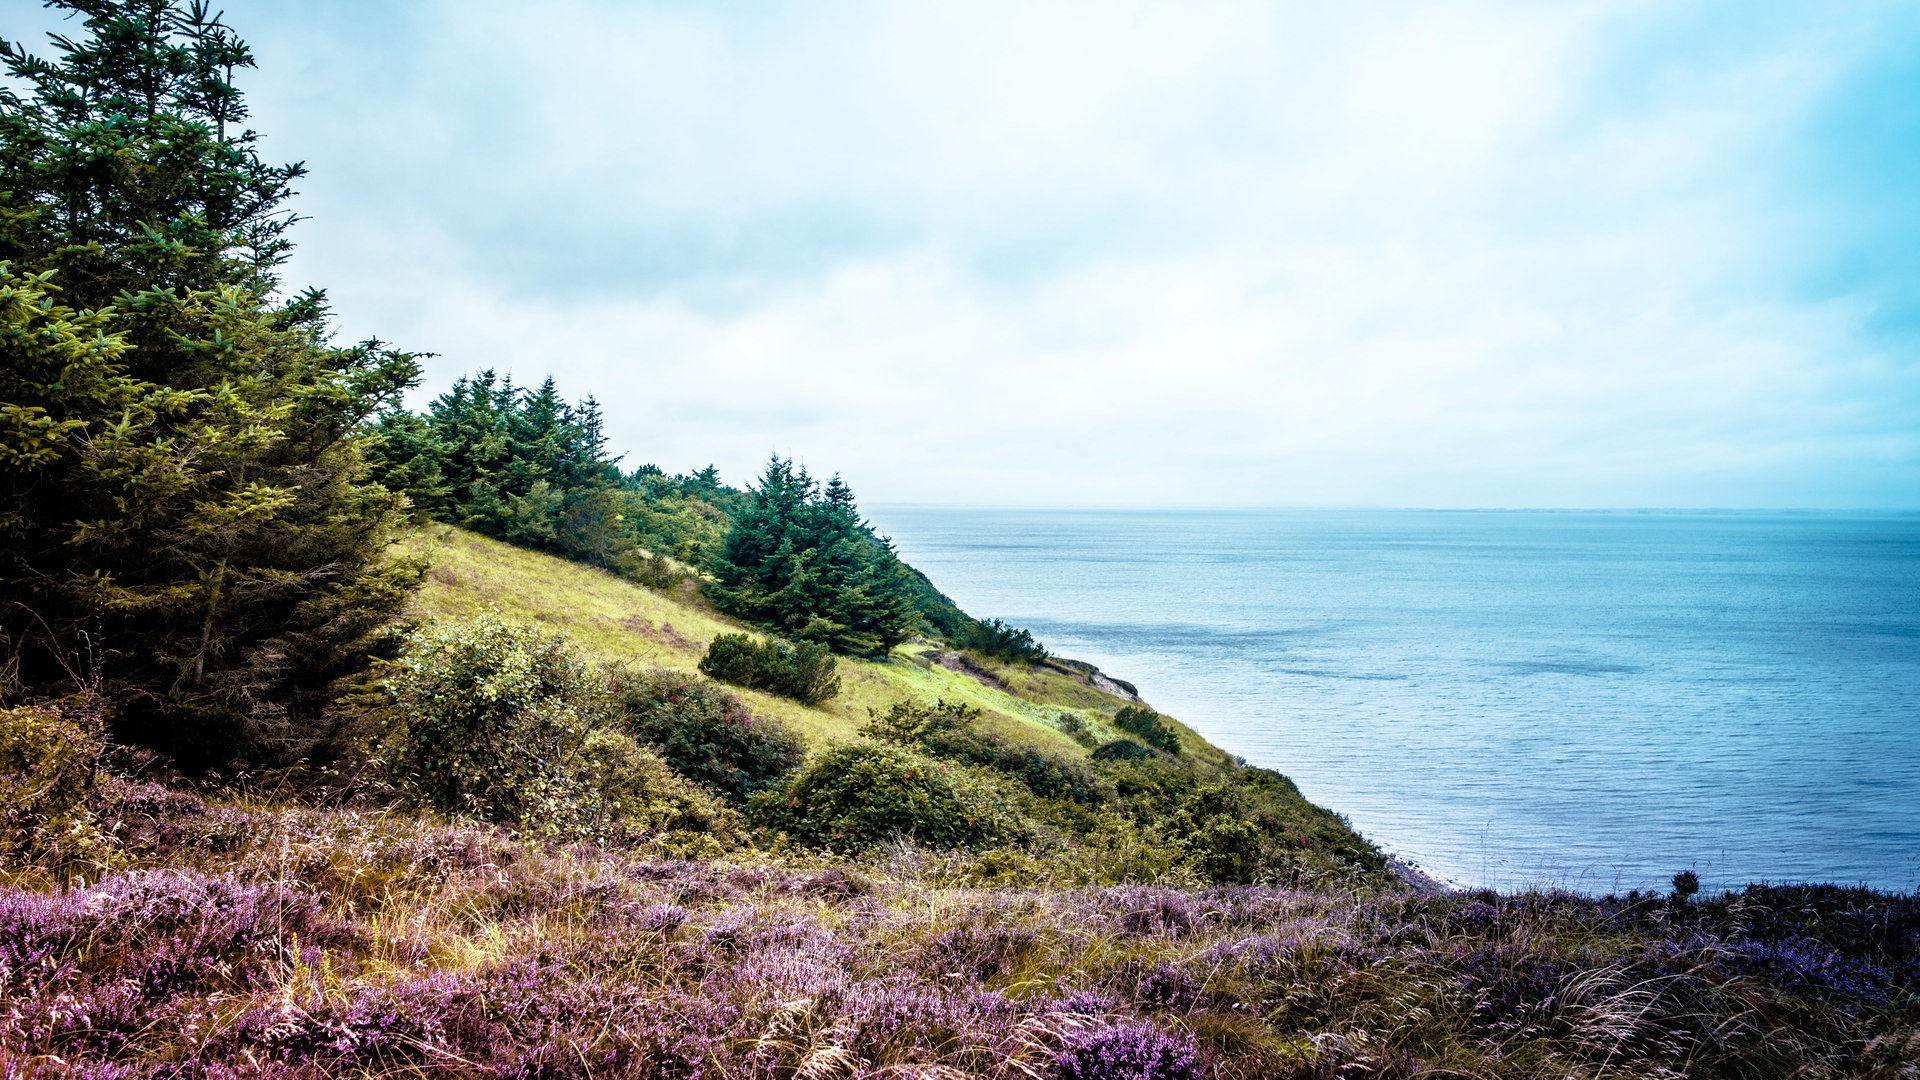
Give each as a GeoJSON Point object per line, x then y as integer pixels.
{"type": "Point", "coordinates": [1145, 254]}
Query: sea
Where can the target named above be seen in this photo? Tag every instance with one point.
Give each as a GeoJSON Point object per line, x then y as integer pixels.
{"type": "Point", "coordinates": [1508, 699]}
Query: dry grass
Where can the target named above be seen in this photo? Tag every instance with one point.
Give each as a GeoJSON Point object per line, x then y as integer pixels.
{"type": "Point", "coordinates": [337, 942]}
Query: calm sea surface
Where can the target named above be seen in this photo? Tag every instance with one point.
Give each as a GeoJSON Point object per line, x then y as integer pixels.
{"type": "Point", "coordinates": [1591, 700]}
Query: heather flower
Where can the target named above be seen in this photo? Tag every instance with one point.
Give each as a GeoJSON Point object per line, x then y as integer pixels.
{"type": "Point", "coordinates": [1127, 1052]}
{"type": "Point", "coordinates": [1151, 911]}
{"type": "Point", "coordinates": [1167, 987]}
{"type": "Point", "coordinates": [662, 918]}
{"type": "Point", "coordinates": [1084, 1003]}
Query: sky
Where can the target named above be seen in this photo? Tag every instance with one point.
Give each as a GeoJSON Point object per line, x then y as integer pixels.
{"type": "Point", "coordinates": [1571, 254]}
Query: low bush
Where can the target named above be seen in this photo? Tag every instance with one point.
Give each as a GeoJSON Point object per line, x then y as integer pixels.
{"type": "Point", "coordinates": [47, 761]}
{"type": "Point", "coordinates": [1121, 750]}
{"type": "Point", "coordinates": [1003, 641]}
{"type": "Point", "coordinates": [654, 571]}
{"type": "Point", "coordinates": [705, 733]}
{"type": "Point", "coordinates": [1074, 727]}
{"type": "Point", "coordinates": [950, 730]}
{"type": "Point", "coordinates": [1151, 728]}
{"type": "Point", "coordinates": [637, 796]}
{"type": "Point", "coordinates": [859, 796]}
{"type": "Point", "coordinates": [1213, 832]}
{"type": "Point", "coordinates": [500, 721]}
{"type": "Point", "coordinates": [801, 670]}
{"type": "Point", "coordinates": [1239, 825]}
{"type": "Point", "coordinates": [489, 710]}
{"type": "Point", "coordinates": [1110, 850]}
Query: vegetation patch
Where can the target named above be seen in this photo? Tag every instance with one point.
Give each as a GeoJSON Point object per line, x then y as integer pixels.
{"type": "Point", "coordinates": [705, 733]}
{"type": "Point", "coordinates": [500, 721]}
{"type": "Point", "coordinates": [950, 730]}
{"type": "Point", "coordinates": [801, 670]}
{"type": "Point", "coordinates": [1149, 727]}
{"type": "Point", "coordinates": [859, 796]}
{"type": "Point", "coordinates": [1002, 641]}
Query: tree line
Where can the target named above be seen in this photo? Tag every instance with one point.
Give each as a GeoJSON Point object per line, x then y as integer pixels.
{"type": "Point", "coordinates": [199, 490]}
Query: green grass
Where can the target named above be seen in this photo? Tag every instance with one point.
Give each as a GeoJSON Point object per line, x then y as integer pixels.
{"type": "Point", "coordinates": [614, 620]}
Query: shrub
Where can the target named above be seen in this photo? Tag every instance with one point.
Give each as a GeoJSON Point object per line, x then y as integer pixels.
{"type": "Point", "coordinates": [1075, 728]}
{"type": "Point", "coordinates": [1003, 641]}
{"type": "Point", "coordinates": [1044, 774]}
{"type": "Point", "coordinates": [861, 795]}
{"type": "Point", "coordinates": [948, 730]}
{"type": "Point", "coordinates": [706, 734]}
{"type": "Point", "coordinates": [1121, 750]}
{"type": "Point", "coordinates": [638, 796]}
{"type": "Point", "coordinates": [501, 721]}
{"type": "Point", "coordinates": [489, 709]}
{"type": "Point", "coordinates": [47, 763]}
{"type": "Point", "coordinates": [655, 571]}
{"type": "Point", "coordinates": [1150, 726]}
{"type": "Point", "coordinates": [1214, 837]}
{"type": "Point", "coordinates": [801, 670]}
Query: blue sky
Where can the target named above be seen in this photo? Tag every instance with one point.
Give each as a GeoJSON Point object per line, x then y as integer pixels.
{"type": "Point", "coordinates": [1571, 254]}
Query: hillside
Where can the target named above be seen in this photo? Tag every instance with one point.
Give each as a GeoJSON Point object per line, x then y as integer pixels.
{"type": "Point", "coordinates": [616, 620]}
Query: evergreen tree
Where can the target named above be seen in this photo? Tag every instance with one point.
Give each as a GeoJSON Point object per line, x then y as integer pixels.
{"type": "Point", "coordinates": [523, 466]}
{"type": "Point", "coordinates": [800, 559]}
{"type": "Point", "coordinates": [180, 477]}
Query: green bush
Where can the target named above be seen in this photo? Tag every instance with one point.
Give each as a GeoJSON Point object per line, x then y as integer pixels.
{"type": "Point", "coordinates": [1214, 836]}
{"type": "Point", "coordinates": [949, 730]}
{"type": "Point", "coordinates": [1151, 728]}
{"type": "Point", "coordinates": [1121, 750]}
{"type": "Point", "coordinates": [1112, 851]}
{"type": "Point", "coordinates": [861, 795]}
{"type": "Point", "coordinates": [1241, 824]}
{"type": "Point", "coordinates": [639, 796]}
{"type": "Point", "coordinates": [1075, 727]}
{"type": "Point", "coordinates": [801, 670]}
{"type": "Point", "coordinates": [502, 722]}
{"type": "Point", "coordinates": [1002, 641]}
{"type": "Point", "coordinates": [46, 773]}
{"type": "Point", "coordinates": [705, 733]}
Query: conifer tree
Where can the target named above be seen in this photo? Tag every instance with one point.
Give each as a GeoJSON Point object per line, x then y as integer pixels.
{"type": "Point", "coordinates": [181, 482]}
{"type": "Point", "coordinates": [802, 561]}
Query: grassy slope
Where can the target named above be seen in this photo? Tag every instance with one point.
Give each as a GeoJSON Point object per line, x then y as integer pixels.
{"type": "Point", "coordinates": [616, 620]}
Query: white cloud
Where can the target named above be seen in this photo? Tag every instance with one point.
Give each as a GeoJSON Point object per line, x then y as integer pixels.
{"type": "Point", "coordinates": [1127, 253]}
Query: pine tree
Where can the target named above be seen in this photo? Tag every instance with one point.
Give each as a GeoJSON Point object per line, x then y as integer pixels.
{"type": "Point", "coordinates": [181, 479]}
{"type": "Point", "coordinates": [800, 560]}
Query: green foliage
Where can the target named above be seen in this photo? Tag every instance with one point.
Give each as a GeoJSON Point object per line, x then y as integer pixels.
{"type": "Point", "coordinates": [860, 795]}
{"type": "Point", "coordinates": [950, 730]}
{"type": "Point", "coordinates": [502, 722]}
{"type": "Point", "coordinates": [1112, 850]}
{"type": "Point", "coordinates": [630, 794]}
{"type": "Point", "coordinates": [179, 473]}
{"type": "Point", "coordinates": [1075, 727]}
{"type": "Point", "coordinates": [705, 733]}
{"type": "Point", "coordinates": [528, 467]}
{"type": "Point", "coordinates": [801, 670]}
{"type": "Point", "coordinates": [1151, 728]}
{"type": "Point", "coordinates": [938, 612]}
{"type": "Point", "coordinates": [1121, 750]}
{"type": "Point", "coordinates": [802, 561]}
{"type": "Point", "coordinates": [1239, 825]}
{"type": "Point", "coordinates": [47, 764]}
{"type": "Point", "coordinates": [1212, 831]}
{"type": "Point", "coordinates": [1002, 641]}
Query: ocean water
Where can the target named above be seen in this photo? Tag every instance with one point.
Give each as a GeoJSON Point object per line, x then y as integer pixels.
{"type": "Point", "coordinates": [1586, 700]}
